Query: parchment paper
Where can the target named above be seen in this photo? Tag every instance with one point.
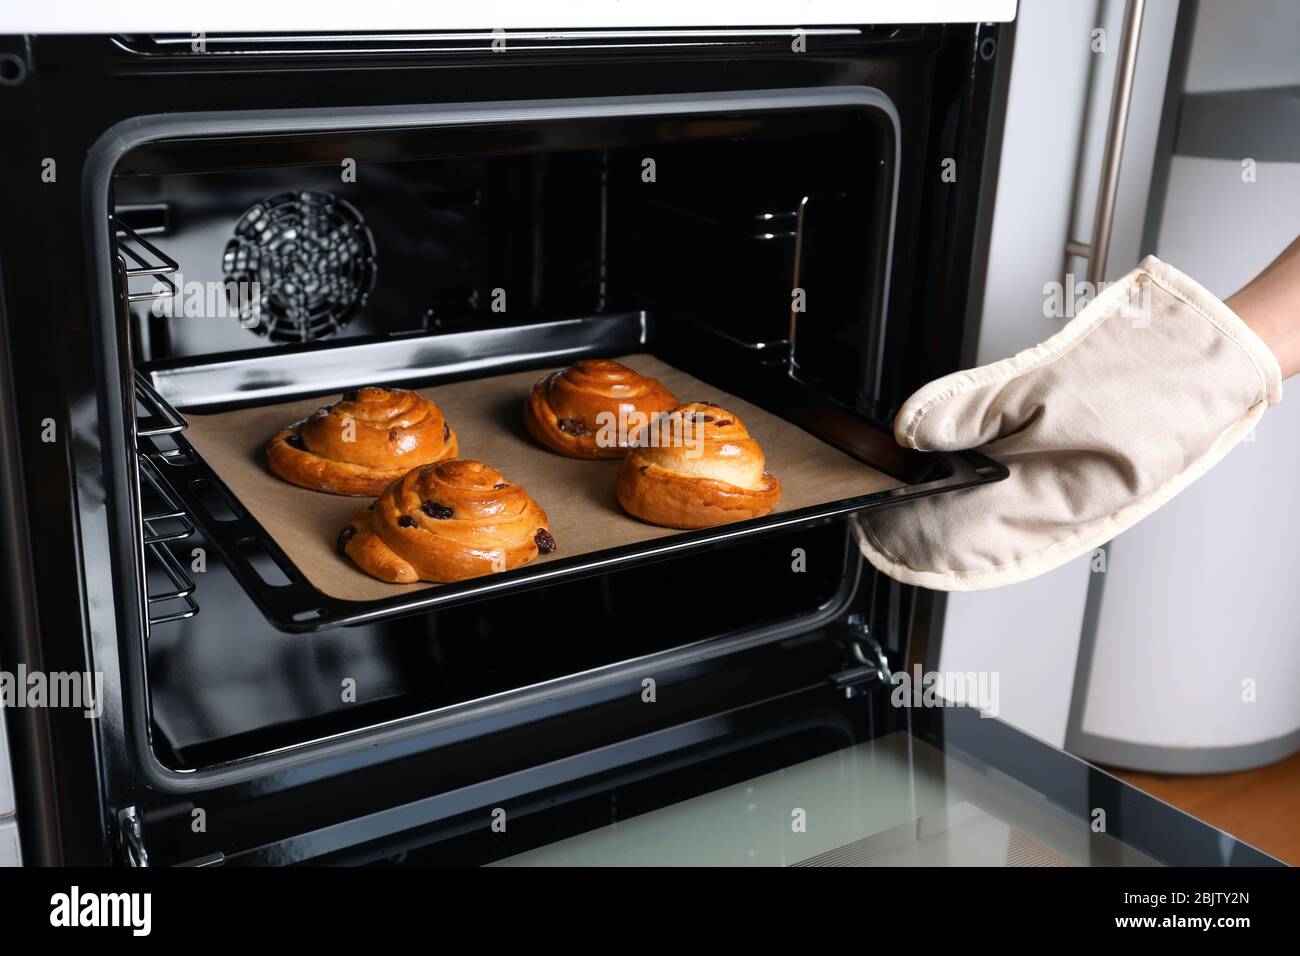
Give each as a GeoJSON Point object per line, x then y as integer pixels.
{"type": "Point", "coordinates": [487, 413]}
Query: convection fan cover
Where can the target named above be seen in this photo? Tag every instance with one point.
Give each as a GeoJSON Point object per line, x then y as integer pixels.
{"type": "Point", "coordinates": [313, 259]}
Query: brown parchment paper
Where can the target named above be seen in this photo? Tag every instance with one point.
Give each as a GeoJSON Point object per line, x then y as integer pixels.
{"type": "Point", "coordinates": [487, 413]}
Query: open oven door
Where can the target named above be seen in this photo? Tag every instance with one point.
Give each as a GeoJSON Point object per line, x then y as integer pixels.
{"type": "Point", "coordinates": [858, 769]}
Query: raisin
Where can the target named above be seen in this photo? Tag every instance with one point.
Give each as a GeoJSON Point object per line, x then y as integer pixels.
{"type": "Point", "coordinates": [370, 507]}
{"type": "Point", "coordinates": [295, 441]}
{"type": "Point", "coordinates": [394, 434]}
{"type": "Point", "coordinates": [499, 485]}
{"type": "Point", "coordinates": [724, 422]}
{"type": "Point", "coordinates": [405, 521]}
{"type": "Point", "coordinates": [435, 510]}
{"type": "Point", "coordinates": [571, 426]}
{"type": "Point", "coordinates": [644, 469]}
{"type": "Point", "coordinates": [545, 543]}
{"type": "Point", "coordinates": [446, 431]}
{"type": "Point", "coordinates": [345, 536]}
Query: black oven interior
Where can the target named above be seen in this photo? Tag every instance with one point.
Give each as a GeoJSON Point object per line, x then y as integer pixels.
{"type": "Point", "coordinates": [225, 686]}
{"type": "Point", "coordinates": [707, 224]}
{"type": "Point", "coordinates": [714, 218]}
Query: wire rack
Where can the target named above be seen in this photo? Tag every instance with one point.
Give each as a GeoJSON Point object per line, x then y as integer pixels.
{"type": "Point", "coordinates": [167, 589]}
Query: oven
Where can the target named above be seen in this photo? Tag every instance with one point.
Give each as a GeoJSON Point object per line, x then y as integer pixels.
{"type": "Point", "coordinates": [789, 217]}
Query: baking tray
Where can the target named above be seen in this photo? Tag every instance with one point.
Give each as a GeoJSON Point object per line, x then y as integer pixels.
{"type": "Point", "coordinates": [279, 539]}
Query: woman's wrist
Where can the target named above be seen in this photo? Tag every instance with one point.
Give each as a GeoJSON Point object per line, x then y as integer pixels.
{"type": "Point", "coordinates": [1270, 305]}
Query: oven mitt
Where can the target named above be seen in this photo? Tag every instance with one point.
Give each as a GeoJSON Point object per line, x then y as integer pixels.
{"type": "Point", "coordinates": [1133, 400]}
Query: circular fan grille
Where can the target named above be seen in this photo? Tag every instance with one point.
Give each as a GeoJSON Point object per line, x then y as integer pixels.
{"type": "Point", "coordinates": [313, 259]}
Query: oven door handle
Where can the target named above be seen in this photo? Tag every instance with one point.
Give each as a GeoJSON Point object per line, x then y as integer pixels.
{"type": "Point", "coordinates": [1103, 219]}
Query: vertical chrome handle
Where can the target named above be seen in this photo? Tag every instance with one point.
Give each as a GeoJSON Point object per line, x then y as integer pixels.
{"type": "Point", "coordinates": [1103, 220]}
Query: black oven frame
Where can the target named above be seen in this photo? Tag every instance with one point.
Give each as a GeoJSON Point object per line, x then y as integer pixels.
{"type": "Point", "coordinates": [78, 776]}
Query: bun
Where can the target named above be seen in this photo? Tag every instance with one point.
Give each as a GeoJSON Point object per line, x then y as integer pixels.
{"type": "Point", "coordinates": [696, 467]}
{"type": "Point", "coordinates": [446, 522]}
{"type": "Point", "coordinates": [583, 410]}
{"type": "Point", "coordinates": [363, 442]}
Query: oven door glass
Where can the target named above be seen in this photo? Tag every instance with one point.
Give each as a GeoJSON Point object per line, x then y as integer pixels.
{"type": "Point", "coordinates": [954, 789]}
{"type": "Point", "coordinates": [851, 784]}
{"type": "Point", "coordinates": [892, 801]}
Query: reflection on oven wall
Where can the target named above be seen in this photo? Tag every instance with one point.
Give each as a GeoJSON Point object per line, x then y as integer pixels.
{"type": "Point", "coordinates": [1148, 679]}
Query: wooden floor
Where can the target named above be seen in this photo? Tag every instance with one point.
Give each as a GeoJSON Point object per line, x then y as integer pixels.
{"type": "Point", "coordinates": [1261, 807]}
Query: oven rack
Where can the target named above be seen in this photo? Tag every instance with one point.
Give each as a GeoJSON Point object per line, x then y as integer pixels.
{"type": "Point", "coordinates": [142, 259]}
{"type": "Point", "coordinates": [164, 518]}
{"type": "Point", "coordinates": [167, 520]}
{"type": "Point", "coordinates": [180, 588]}
{"type": "Point", "coordinates": [293, 604]}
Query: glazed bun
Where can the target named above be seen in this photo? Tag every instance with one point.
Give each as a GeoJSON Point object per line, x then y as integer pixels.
{"type": "Point", "coordinates": [363, 442]}
{"type": "Point", "coordinates": [566, 410]}
{"type": "Point", "coordinates": [696, 467]}
{"type": "Point", "coordinates": [446, 522]}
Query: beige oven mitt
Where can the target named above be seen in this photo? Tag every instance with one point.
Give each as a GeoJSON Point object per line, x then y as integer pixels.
{"type": "Point", "coordinates": [1133, 400]}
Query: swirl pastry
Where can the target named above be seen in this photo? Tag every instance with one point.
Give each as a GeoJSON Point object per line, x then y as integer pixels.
{"type": "Point", "coordinates": [363, 442]}
{"type": "Point", "coordinates": [587, 409]}
{"type": "Point", "coordinates": [445, 522]}
{"type": "Point", "coordinates": [696, 467]}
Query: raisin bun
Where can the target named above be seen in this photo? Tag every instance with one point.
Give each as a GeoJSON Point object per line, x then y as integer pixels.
{"type": "Point", "coordinates": [577, 411]}
{"type": "Point", "coordinates": [696, 467]}
{"type": "Point", "coordinates": [447, 522]}
{"type": "Point", "coordinates": [363, 442]}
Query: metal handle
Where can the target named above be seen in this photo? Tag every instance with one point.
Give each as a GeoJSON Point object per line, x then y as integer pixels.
{"type": "Point", "coordinates": [1103, 220]}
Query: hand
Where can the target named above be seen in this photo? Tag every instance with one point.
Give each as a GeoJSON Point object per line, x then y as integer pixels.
{"type": "Point", "coordinates": [1140, 394]}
